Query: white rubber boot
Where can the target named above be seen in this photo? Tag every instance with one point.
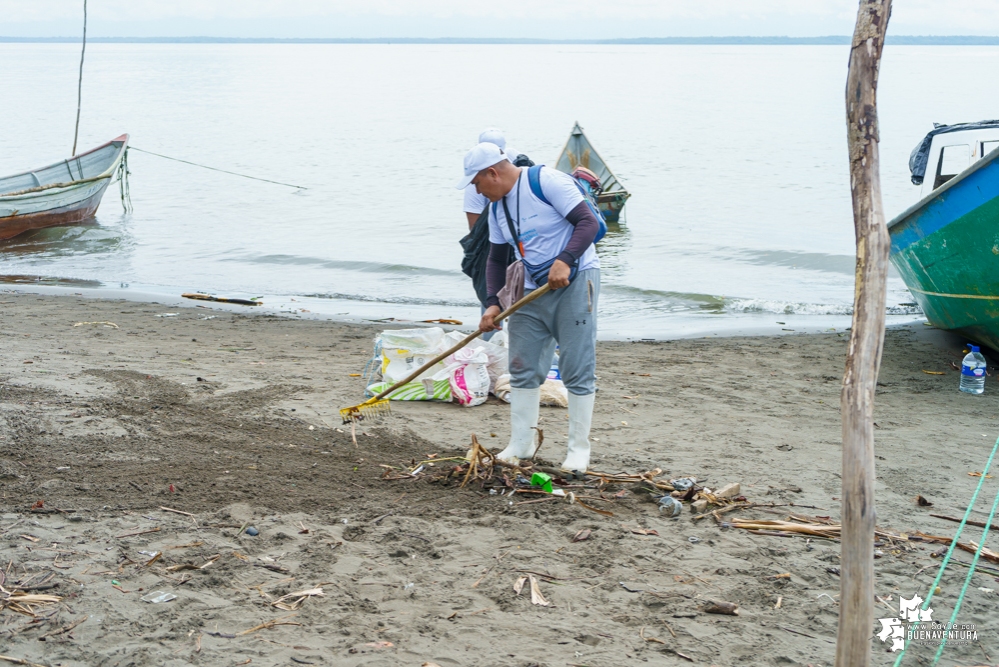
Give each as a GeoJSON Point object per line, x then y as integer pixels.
{"type": "Point", "coordinates": [524, 409]}
{"type": "Point", "coordinates": [580, 417]}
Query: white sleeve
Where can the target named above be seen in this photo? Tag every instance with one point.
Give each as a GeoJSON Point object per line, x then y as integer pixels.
{"type": "Point", "coordinates": [474, 202]}
{"type": "Point", "coordinates": [495, 235]}
{"type": "Point", "coordinates": [560, 190]}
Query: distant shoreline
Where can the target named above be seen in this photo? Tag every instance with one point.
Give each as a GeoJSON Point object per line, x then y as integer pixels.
{"type": "Point", "coordinates": [829, 40]}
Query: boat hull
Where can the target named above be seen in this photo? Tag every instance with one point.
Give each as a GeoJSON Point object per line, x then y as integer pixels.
{"type": "Point", "coordinates": [579, 152]}
{"type": "Point", "coordinates": [63, 193]}
{"type": "Point", "coordinates": [611, 204]}
{"type": "Point", "coordinates": [73, 207]}
{"type": "Point", "coordinates": [946, 248]}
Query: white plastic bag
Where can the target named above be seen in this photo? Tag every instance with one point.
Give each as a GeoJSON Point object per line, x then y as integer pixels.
{"type": "Point", "coordinates": [553, 392]}
{"type": "Point", "coordinates": [405, 350]}
{"type": "Point", "coordinates": [468, 377]}
{"type": "Point", "coordinates": [499, 357]}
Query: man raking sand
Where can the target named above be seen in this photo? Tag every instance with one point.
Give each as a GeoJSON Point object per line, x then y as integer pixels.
{"type": "Point", "coordinates": [553, 241]}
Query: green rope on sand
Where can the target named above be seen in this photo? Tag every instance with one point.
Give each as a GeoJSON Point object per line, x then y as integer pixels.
{"type": "Point", "coordinates": [950, 551]}
{"type": "Point", "coordinates": [971, 571]}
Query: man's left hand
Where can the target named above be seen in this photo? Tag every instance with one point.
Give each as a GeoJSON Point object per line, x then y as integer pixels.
{"type": "Point", "coordinates": [558, 276]}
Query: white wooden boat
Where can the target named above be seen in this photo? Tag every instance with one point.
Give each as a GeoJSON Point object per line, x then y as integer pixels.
{"type": "Point", "coordinates": [63, 193]}
{"type": "Point", "coordinates": [579, 152]}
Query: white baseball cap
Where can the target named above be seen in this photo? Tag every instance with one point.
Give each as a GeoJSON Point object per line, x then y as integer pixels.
{"type": "Point", "coordinates": [493, 135]}
{"type": "Point", "coordinates": [482, 156]}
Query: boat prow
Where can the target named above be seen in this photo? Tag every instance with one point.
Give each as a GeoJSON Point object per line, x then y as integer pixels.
{"type": "Point", "coordinates": [579, 152]}
{"type": "Point", "coordinates": [946, 246]}
{"type": "Point", "coordinates": [63, 193]}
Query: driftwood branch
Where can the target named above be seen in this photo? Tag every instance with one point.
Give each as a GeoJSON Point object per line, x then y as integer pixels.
{"type": "Point", "coordinates": [853, 648]}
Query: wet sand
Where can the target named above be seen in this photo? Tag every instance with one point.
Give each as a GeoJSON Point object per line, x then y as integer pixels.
{"type": "Point", "coordinates": [232, 419]}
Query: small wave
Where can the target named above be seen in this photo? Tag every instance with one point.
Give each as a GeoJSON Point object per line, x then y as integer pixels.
{"type": "Point", "coordinates": [792, 308]}
{"type": "Point", "coordinates": [412, 301]}
{"type": "Point", "coordinates": [659, 298]}
{"type": "Point", "coordinates": [904, 309]}
{"type": "Point", "coordinates": [786, 308]}
{"type": "Point", "coordinates": [14, 279]}
{"type": "Point", "coordinates": [368, 267]}
{"type": "Point", "coordinates": [813, 261]}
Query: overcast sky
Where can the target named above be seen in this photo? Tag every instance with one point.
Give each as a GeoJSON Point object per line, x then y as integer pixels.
{"type": "Point", "coordinates": [556, 19]}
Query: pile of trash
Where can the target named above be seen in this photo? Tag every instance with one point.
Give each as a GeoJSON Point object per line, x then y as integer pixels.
{"type": "Point", "coordinates": [480, 468]}
{"type": "Point", "coordinates": [466, 377]}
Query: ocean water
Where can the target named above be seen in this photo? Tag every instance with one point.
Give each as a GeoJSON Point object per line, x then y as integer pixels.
{"type": "Point", "coordinates": [735, 156]}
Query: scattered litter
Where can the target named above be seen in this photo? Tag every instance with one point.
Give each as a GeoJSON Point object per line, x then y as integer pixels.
{"type": "Point", "coordinates": [693, 540]}
{"type": "Point", "coordinates": [726, 608]}
{"type": "Point", "coordinates": [379, 644]}
{"type": "Point", "coordinates": [644, 531]}
{"type": "Point", "coordinates": [168, 315]}
{"type": "Point", "coordinates": [536, 596]}
{"type": "Point", "coordinates": [923, 502]}
{"type": "Point", "coordinates": [158, 596]}
{"type": "Point", "coordinates": [293, 601]}
{"type": "Point", "coordinates": [543, 480]}
{"type": "Point", "coordinates": [581, 535]}
{"type": "Point", "coordinates": [933, 372]}
{"type": "Point", "coordinates": [986, 590]}
{"type": "Point", "coordinates": [672, 506]}
{"type": "Point", "coordinates": [25, 603]}
{"type": "Point", "coordinates": [443, 321]}
{"type": "Point", "coordinates": [207, 317]}
{"type": "Point", "coordinates": [252, 532]}
{"type": "Point", "coordinates": [729, 491]}
{"type": "Point", "coordinates": [107, 325]}
{"type": "Point", "coordinates": [683, 483]}
{"type": "Point", "coordinates": [222, 299]}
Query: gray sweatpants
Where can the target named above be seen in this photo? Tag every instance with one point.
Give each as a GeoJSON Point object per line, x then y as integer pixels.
{"type": "Point", "coordinates": [568, 317]}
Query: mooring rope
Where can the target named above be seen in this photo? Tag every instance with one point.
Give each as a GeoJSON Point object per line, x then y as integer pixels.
{"type": "Point", "coordinates": [79, 84]}
{"type": "Point", "coordinates": [950, 551]}
{"type": "Point", "coordinates": [123, 188]}
{"type": "Point", "coordinates": [224, 171]}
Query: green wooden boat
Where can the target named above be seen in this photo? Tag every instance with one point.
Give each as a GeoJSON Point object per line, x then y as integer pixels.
{"type": "Point", "coordinates": [579, 152]}
{"type": "Point", "coordinates": [946, 246]}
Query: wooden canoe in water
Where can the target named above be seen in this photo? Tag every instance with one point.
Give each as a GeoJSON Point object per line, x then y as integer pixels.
{"type": "Point", "coordinates": [63, 193]}
{"type": "Point", "coordinates": [579, 152]}
{"type": "Point", "coordinates": [946, 246]}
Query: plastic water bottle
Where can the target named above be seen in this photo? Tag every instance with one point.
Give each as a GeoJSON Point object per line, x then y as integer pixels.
{"type": "Point", "coordinates": [553, 373]}
{"type": "Point", "coordinates": [973, 372]}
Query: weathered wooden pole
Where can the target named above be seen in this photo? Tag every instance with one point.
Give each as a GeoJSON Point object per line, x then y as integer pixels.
{"type": "Point", "coordinates": [856, 609]}
{"type": "Point", "coordinates": [79, 83]}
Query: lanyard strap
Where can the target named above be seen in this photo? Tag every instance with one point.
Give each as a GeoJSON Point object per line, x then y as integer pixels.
{"type": "Point", "coordinates": [514, 233]}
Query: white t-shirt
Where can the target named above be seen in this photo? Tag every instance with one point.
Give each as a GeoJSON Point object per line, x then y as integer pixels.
{"type": "Point", "coordinates": [476, 203]}
{"type": "Point", "coordinates": [544, 231]}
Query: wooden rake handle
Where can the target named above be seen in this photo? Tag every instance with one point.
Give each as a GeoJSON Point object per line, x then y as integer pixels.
{"type": "Point", "coordinates": [468, 339]}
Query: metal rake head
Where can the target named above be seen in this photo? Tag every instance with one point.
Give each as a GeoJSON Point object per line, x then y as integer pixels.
{"type": "Point", "coordinates": [367, 410]}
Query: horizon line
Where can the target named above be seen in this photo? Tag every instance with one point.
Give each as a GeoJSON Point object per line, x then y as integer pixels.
{"type": "Point", "coordinates": [837, 40]}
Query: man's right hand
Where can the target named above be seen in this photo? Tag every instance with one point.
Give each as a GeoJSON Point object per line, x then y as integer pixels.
{"type": "Point", "coordinates": [487, 324]}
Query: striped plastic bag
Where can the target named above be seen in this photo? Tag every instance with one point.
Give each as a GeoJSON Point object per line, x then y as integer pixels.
{"type": "Point", "coordinates": [421, 390]}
